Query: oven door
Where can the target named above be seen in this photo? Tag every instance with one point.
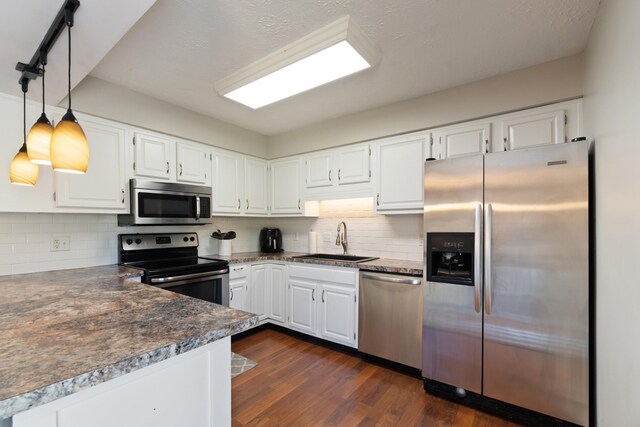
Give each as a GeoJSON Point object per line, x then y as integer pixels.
{"type": "Point", "coordinates": [208, 286]}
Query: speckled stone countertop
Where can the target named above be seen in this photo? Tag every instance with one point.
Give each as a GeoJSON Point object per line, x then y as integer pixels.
{"type": "Point", "coordinates": [64, 331]}
{"type": "Point", "coordinates": [382, 265]}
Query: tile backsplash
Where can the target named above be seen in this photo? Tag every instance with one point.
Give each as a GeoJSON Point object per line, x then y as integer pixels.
{"type": "Point", "coordinates": [25, 238]}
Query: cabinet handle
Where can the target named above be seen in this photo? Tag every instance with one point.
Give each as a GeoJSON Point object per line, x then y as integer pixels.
{"type": "Point", "coordinates": [323, 295]}
{"type": "Point", "coordinates": [231, 296]}
{"type": "Point", "coordinates": [313, 295]}
{"type": "Point", "coordinates": [329, 175]}
{"type": "Point", "coordinates": [238, 204]}
{"type": "Point", "coordinates": [339, 174]}
{"type": "Point", "coordinates": [238, 269]}
{"type": "Point", "coordinates": [299, 204]}
{"type": "Point", "coordinates": [378, 199]}
{"type": "Point", "coordinates": [247, 203]}
{"type": "Point", "coordinates": [504, 145]}
{"type": "Point", "coordinates": [486, 145]}
{"type": "Point", "coordinates": [180, 169]}
{"type": "Point", "coordinates": [122, 195]}
{"type": "Point", "coordinates": [167, 168]}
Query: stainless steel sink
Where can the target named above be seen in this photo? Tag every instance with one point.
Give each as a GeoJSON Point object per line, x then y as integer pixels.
{"type": "Point", "coordinates": [334, 257]}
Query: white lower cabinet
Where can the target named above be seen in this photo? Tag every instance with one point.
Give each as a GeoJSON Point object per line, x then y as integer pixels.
{"type": "Point", "coordinates": [323, 302]}
{"type": "Point", "coordinates": [239, 287]}
{"type": "Point", "coordinates": [258, 290]}
{"type": "Point", "coordinates": [276, 294]}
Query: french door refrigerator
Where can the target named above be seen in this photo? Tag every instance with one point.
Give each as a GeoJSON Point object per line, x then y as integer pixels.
{"type": "Point", "coordinates": [506, 295]}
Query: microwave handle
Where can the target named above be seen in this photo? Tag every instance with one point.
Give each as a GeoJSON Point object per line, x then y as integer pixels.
{"type": "Point", "coordinates": [197, 207]}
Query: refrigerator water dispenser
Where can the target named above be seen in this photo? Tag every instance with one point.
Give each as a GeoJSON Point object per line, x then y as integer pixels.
{"type": "Point", "coordinates": [450, 258]}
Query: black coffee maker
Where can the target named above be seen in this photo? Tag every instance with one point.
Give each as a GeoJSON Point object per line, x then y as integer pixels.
{"type": "Point", "coordinates": [271, 240]}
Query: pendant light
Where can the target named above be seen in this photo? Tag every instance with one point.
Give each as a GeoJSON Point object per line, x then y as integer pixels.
{"type": "Point", "coordinates": [39, 137]}
{"type": "Point", "coordinates": [69, 146]}
{"type": "Point", "coordinates": [22, 171]}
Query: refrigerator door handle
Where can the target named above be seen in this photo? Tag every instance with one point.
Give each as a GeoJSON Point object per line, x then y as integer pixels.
{"type": "Point", "coordinates": [477, 249]}
{"type": "Point", "coordinates": [488, 225]}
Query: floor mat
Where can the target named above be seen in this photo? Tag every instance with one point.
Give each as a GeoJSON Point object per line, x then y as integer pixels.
{"type": "Point", "coordinates": [240, 364]}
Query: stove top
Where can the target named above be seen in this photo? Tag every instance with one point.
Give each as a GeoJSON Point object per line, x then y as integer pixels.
{"type": "Point", "coordinates": [156, 267]}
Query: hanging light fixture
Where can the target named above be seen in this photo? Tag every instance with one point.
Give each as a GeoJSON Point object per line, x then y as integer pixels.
{"type": "Point", "coordinates": [69, 146]}
{"type": "Point", "coordinates": [22, 171]}
{"type": "Point", "coordinates": [39, 137]}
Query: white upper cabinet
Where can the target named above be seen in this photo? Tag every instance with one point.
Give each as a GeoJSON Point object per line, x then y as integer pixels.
{"type": "Point", "coordinates": [461, 140]}
{"type": "Point", "coordinates": [154, 156]}
{"type": "Point", "coordinates": [104, 184]}
{"type": "Point", "coordinates": [532, 129]}
{"type": "Point", "coordinates": [227, 182]}
{"type": "Point", "coordinates": [255, 186]}
{"type": "Point", "coordinates": [194, 163]}
{"type": "Point", "coordinates": [319, 170]}
{"type": "Point", "coordinates": [354, 164]}
{"type": "Point", "coordinates": [400, 170]}
{"type": "Point", "coordinates": [285, 186]}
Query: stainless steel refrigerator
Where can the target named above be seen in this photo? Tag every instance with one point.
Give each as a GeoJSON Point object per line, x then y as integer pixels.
{"type": "Point", "coordinates": [506, 296]}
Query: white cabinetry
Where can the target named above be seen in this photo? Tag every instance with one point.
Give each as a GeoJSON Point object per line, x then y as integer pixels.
{"type": "Point", "coordinates": [339, 173]}
{"type": "Point", "coordinates": [266, 291]}
{"type": "Point", "coordinates": [255, 186]}
{"type": "Point", "coordinates": [227, 182]}
{"type": "Point", "coordinates": [154, 156]}
{"type": "Point", "coordinates": [104, 184]}
{"type": "Point", "coordinates": [194, 163]}
{"type": "Point", "coordinates": [276, 294]}
{"type": "Point", "coordinates": [461, 140]}
{"type": "Point", "coordinates": [258, 290]}
{"type": "Point", "coordinates": [323, 302]}
{"type": "Point", "coordinates": [239, 278]}
{"type": "Point", "coordinates": [286, 186]}
{"type": "Point", "coordinates": [400, 171]}
{"type": "Point", "coordinates": [529, 129]}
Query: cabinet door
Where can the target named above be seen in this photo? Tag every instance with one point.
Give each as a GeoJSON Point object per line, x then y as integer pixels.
{"type": "Point", "coordinates": [318, 170]}
{"type": "Point", "coordinates": [400, 186]}
{"type": "Point", "coordinates": [530, 130]}
{"type": "Point", "coordinates": [104, 184]}
{"type": "Point", "coordinates": [257, 292]}
{"type": "Point", "coordinates": [338, 313]}
{"type": "Point", "coordinates": [238, 289]}
{"type": "Point", "coordinates": [193, 163]}
{"type": "Point", "coordinates": [277, 296]}
{"type": "Point", "coordinates": [302, 305]}
{"type": "Point", "coordinates": [152, 156]}
{"type": "Point", "coordinates": [226, 183]}
{"type": "Point", "coordinates": [255, 186]}
{"type": "Point", "coordinates": [354, 165]}
{"type": "Point", "coordinates": [285, 187]}
{"type": "Point", "coordinates": [462, 140]}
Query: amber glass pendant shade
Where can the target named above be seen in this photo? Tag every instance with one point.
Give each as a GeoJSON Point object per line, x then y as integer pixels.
{"type": "Point", "coordinates": [39, 141]}
{"type": "Point", "coordinates": [69, 146]}
{"type": "Point", "coordinates": [22, 171]}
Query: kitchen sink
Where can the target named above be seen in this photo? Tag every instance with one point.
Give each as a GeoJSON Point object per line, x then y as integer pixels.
{"type": "Point", "coordinates": [333, 257]}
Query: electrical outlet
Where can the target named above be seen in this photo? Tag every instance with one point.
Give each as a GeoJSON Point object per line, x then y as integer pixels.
{"type": "Point", "coordinates": [326, 237]}
{"type": "Point", "coordinates": [60, 243]}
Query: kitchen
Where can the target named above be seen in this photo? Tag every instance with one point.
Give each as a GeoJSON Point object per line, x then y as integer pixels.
{"type": "Point", "coordinates": [553, 61]}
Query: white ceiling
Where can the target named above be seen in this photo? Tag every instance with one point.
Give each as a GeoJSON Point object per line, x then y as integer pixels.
{"type": "Point", "coordinates": [180, 48]}
{"type": "Point", "coordinates": [25, 22]}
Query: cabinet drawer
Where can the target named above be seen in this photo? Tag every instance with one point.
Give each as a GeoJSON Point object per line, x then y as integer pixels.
{"type": "Point", "coordinates": [237, 271]}
{"type": "Point", "coordinates": [347, 276]}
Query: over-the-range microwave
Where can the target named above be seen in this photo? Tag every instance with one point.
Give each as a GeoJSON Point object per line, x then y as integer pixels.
{"type": "Point", "coordinates": [165, 203]}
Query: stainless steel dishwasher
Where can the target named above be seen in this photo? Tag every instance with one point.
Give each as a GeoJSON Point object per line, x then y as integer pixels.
{"type": "Point", "coordinates": [390, 317]}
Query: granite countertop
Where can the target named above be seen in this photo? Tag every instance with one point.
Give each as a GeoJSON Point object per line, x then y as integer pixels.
{"type": "Point", "coordinates": [64, 331]}
{"type": "Point", "coordinates": [382, 265]}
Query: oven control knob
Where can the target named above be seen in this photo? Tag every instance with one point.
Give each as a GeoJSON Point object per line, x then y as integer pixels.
{"type": "Point", "coordinates": [138, 241]}
{"type": "Point", "coordinates": [186, 239]}
{"type": "Point", "coordinates": [192, 238]}
{"type": "Point", "coordinates": [129, 241]}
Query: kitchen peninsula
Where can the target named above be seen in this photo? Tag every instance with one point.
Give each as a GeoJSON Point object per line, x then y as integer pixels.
{"type": "Point", "coordinates": [93, 346]}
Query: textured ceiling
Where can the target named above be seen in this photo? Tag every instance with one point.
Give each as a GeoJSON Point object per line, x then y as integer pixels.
{"type": "Point", "coordinates": [180, 48]}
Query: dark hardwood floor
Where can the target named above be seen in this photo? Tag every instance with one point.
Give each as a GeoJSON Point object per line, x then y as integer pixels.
{"type": "Point", "coordinates": [298, 383]}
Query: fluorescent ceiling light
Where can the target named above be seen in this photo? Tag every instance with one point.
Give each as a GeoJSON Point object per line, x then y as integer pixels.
{"type": "Point", "coordinates": [332, 52]}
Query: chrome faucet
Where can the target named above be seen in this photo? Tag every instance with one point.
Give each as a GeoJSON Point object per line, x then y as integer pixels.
{"type": "Point", "coordinates": [341, 238]}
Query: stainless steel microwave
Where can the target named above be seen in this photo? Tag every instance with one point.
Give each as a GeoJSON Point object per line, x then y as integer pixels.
{"type": "Point", "coordinates": [165, 203]}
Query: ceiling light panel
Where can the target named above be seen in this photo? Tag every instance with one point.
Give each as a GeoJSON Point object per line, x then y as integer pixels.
{"type": "Point", "coordinates": [332, 52]}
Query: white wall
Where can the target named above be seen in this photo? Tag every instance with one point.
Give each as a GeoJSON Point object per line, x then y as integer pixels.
{"type": "Point", "coordinates": [109, 101]}
{"type": "Point", "coordinates": [612, 106]}
{"type": "Point", "coordinates": [541, 84]}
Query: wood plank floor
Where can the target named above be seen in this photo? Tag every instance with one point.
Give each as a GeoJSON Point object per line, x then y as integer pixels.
{"type": "Point", "coordinates": [298, 383]}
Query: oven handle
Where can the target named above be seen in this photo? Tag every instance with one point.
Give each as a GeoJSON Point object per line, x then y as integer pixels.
{"type": "Point", "coordinates": [171, 279]}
